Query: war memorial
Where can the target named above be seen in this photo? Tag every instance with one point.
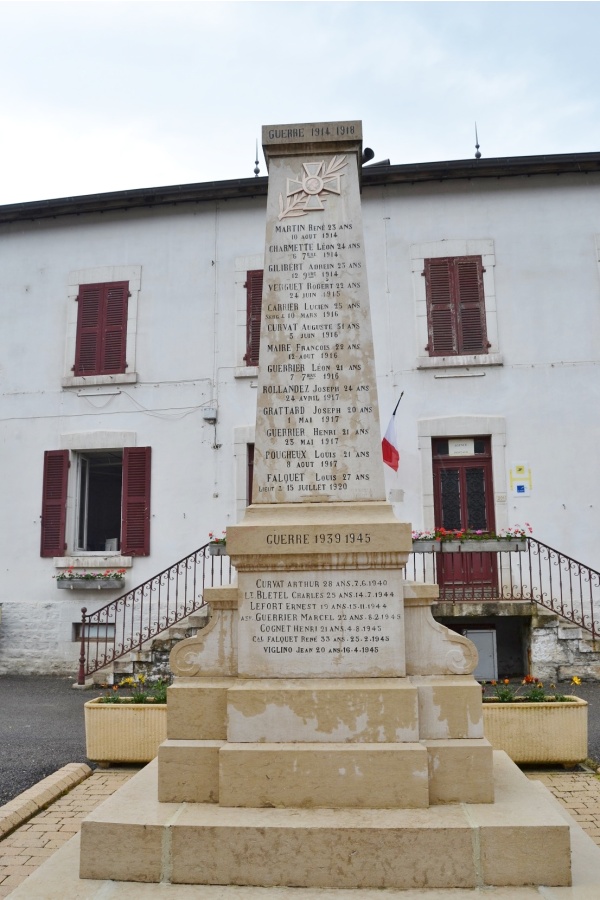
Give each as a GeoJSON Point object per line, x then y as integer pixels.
{"type": "Point", "coordinates": [324, 732]}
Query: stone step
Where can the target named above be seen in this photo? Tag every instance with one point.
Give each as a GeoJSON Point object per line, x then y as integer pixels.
{"type": "Point", "coordinates": [125, 665]}
{"type": "Point", "coordinates": [520, 839]}
{"type": "Point", "coordinates": [312, 775]}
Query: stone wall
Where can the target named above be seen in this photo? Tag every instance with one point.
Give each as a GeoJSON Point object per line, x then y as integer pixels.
{"type": "Point", "coordinates": [560, 650]}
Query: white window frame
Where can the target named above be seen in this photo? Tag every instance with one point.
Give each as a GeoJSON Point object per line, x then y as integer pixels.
{"type": "Point", "coordinates": [483, 247]}
{"type": "Point", "coordinates": [242, 436]}
{"type": "Point", "coordinates": [243, 265]}
{"type": "Point", "coordinates": [102, 275]}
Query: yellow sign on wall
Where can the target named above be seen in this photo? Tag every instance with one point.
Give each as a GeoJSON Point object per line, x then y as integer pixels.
{"type": "Point", "coordinates": [520, 479]}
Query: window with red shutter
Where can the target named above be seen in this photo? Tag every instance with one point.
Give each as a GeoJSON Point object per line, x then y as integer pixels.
{"type": "Point", "coordinates": [100, 347]}
{"type": "Point", "coordinates": [254, 287]}
{"type": "Point", "coordinates": [455, 306]}
{"type": "Point", "coordinates": [54, 502]}
{"type": "Point", "coordinates": [135, 535]}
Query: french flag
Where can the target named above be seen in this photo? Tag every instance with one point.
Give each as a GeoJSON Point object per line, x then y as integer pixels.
{"type": "Point", "coordinates": [389, 444]}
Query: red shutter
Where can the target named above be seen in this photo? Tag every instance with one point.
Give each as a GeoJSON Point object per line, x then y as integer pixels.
{"type": "Point", "coordinates": [89, 325]}
{"type": "Point", "coordinates": [135, 535]}
{"type": "Point", "coordinates": [101, 329]}
{"type": "Point", "coordinates": [250, 461]}
{"type": "Point", "coordinates": [54, 502]}
{"type": "Point", "coordinates": [254, 288]}
{"type": "Point", "coordinates": [441, 313]}
{"type": "Point", "coordinates": [472, 336]}
{"type": "Point", "coordinates": [455, 306]}
{"type": "Point", "coordinates": [115, 328]}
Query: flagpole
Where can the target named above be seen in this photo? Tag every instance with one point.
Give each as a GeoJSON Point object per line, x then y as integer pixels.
{"type": "Point", "coordinates": [398, 403]}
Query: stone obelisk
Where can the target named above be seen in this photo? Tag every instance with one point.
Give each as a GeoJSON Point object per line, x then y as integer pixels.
{"type": "Point", "coordinates": [319, 553]}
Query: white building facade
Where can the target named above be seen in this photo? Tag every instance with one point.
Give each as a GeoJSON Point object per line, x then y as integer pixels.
{"type": "Point", "coordinates": [128, 397]}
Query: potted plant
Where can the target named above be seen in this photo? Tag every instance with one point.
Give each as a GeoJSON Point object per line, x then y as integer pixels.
{"type": "Point", "coordinates": [533, 726]}
{"type": "Point", "coordinates": [217, 545]}
{"type": "Point", "coordinates": [467, 540]}
{"type": "Point", "coordinates": [109, 579]}
{"type": "Point", "coordinates": [128, 723]}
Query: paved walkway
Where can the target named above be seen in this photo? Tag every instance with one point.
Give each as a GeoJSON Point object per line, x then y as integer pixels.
{"type": "Point", "coordinates": [25, 848]}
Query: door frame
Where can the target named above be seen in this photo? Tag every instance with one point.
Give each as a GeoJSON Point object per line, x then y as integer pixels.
{"type": "Point", "coordinates": [464, 426]}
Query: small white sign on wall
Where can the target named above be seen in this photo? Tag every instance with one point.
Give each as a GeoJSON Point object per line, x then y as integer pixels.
{"type": "Point", "coordinates": [520, 479]}
{"type": "Point", "coordinates": [461, 447]}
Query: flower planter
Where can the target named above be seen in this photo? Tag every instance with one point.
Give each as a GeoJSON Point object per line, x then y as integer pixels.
{"type": "Point", "coordinates": [217, 549]}
{"type": "Point", "coordinates": [124, 732]}
{"type": "Point", "coordinates": [90, 584]}
{"type": "Point", "coordinates": [538, 732]}
{"type": "Point", "coordinates": [491, 546]}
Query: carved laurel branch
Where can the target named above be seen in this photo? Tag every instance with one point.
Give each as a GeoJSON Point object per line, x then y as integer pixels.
{"type": "Point", "coordinates": [335, 164]}
{"type": "Point", "coordinates": [293, 207]}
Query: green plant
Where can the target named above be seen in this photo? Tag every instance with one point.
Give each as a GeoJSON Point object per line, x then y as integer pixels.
{"type": "Point", "coordinates": [217, 540]}
{"type": "Point", "coordinates": [137, 689]}
{"type": "Point", "coordinates": [531, 690]}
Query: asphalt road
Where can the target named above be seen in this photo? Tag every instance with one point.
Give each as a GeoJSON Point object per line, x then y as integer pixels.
{"type": "Point", "coordinates": [42, 727]}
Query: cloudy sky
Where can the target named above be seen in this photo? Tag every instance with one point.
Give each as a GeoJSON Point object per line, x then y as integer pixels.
{"type": "Point", "coordinates": [103, 96]}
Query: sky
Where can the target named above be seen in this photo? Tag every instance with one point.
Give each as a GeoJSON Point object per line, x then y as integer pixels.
{"type": "Point", "coordinates": [108, 96]}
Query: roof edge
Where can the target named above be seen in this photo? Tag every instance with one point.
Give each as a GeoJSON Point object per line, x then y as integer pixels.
{"type": "Point", "coordinates": [411, 173]}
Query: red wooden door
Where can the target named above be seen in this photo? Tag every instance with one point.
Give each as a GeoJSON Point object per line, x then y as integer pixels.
{"type": "Point", "coordinates": [463, 498]}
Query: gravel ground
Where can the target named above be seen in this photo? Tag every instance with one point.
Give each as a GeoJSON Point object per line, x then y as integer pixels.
{"type": "Point", "coordinates": [42, 727]}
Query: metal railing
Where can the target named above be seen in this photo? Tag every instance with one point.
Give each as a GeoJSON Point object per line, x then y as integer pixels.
{"type": "Point", "coordinates": [142, 613]}
{"type": "Point", "coordinates": [539, 574]}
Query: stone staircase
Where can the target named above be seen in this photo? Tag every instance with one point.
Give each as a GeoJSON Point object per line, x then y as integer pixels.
{"type": "Point", "coordinates": [153, 656]}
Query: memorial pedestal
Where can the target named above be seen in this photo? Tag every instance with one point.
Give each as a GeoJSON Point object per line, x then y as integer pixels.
{"type": "Point", "coordinates": [323, 731]}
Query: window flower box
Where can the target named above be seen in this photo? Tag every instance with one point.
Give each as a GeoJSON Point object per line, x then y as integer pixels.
{"type": "Point", "coordinates": [124, 732]}
{"type": "Point", "coordinates": [90, 584]}
{"type": "Point", "coordinates": [486, 546]}
{"type": "Point", "coordinates": [540, 733]}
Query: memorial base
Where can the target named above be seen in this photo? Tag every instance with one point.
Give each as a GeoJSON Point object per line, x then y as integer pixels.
{"type": "Point", "coordinates": [520, 839]}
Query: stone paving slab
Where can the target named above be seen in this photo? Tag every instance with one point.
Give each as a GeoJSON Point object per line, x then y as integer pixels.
{"type": "Point", "coordinates": [47, 830]}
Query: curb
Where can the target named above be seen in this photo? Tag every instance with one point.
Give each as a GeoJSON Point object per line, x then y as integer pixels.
{"type": "Point", "coordinates": [17, 811]}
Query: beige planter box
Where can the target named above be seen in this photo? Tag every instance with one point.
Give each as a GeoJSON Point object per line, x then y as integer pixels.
{"type": "Point", "coordinates": [538, 732]}
{"type": "Point", "coordinates": [124, 732]}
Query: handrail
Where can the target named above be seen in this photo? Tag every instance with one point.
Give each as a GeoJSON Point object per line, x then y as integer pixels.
{"type": "Point", "coordinates": [539, 574]}
{"type": "Point", "coordinates": [142, 613]}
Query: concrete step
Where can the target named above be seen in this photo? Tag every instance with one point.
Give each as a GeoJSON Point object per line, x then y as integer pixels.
{"type": "Point", "coordinates": [520, 839]}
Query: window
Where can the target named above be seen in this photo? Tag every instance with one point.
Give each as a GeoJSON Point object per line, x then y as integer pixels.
{"type": "Point", "coordinates": [100, 633]}
{"type": "Point", "coordinates": [100, 480]}
{"type": "Point", "coordinates": [112, 511]}
{"type": "Point", "coordinates": [455, 306]}
{"type": "Point", "coordinates": [102, 309]}
{"type": "Point", "coordinates": [254, 287]}
{"type": "Point", "coordinates": [101, 329]}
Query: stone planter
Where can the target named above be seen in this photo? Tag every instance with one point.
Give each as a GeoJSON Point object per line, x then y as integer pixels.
{"type": "Point", "coordinates": [90, 584]}
{"type": "Point", "coordinates": [538, 732]}
{"type": "Point", "coordinates": [491, 546]}
{"type": "Point", "coordinates": [217, 549]}
{"type": "Point", "coordinates": [124, 732]}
